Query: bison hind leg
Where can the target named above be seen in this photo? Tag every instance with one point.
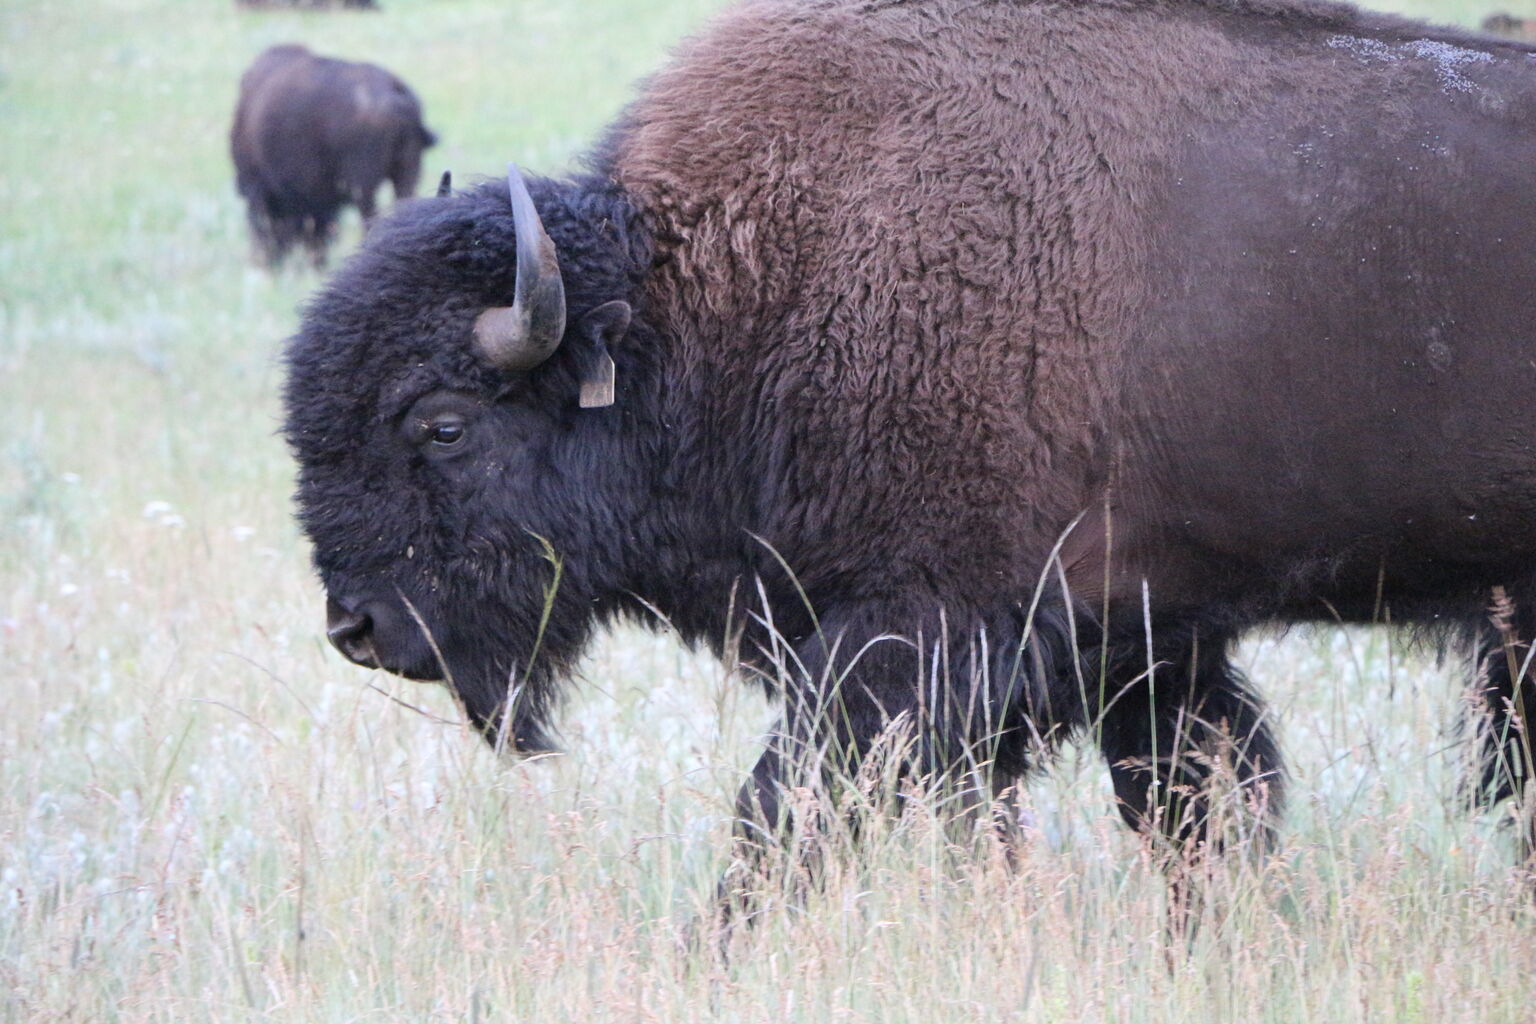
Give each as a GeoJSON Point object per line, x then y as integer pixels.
{"type": "Point", "coordinates": [1501, 705]}
{"type": "Point", "coordinates": [1190, 750]}
{"type": "Point", "coordinates": [317, 232]}
{"type": "Point", "coordinates": [271, 233]}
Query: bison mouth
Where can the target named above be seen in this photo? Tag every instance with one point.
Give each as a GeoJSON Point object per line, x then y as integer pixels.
{"type": "Point", "coordinates": [389, 637]}
{"type": "Point", "coordinates": [376, 635]}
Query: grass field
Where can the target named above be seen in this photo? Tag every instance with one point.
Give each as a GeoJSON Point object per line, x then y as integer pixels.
{"type": "Point", "coordinates": [205, 815]}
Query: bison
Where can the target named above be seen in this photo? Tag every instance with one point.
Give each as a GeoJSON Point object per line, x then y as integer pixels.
{"type": "Point", "coordinates": [361, 5]}
{"type": "Point", "coordinates": [1502, 24]}
{"type": "Point", "coordinates": [979, 370]}
{"type": "Point", "coordinates": [312, 134]}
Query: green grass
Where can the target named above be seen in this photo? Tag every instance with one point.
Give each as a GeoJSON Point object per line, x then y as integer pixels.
{"type": "Point", "coordinates": [204, 815]}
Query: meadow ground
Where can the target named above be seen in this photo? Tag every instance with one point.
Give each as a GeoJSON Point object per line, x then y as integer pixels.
{"type": "Point", "coordinates": [206, 816]}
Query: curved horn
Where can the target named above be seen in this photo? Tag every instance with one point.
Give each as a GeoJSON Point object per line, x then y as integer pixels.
{"type": "Point", "coordinates": [524, 334]}
{"type": "Point", "coordinates": [445, 185]}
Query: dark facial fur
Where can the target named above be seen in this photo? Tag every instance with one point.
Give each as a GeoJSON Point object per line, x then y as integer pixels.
{"type": "Point", "coordinates": [443, 544]}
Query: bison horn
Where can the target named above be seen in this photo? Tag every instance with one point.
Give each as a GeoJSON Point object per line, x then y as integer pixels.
{"type": "Point", "coordinates": [524, 334]}
{"type": "Point", "coordinates": [445, 185]}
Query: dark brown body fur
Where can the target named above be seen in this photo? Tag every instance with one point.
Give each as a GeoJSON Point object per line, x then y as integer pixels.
{"type": "Point", "coordinates": [1244, 292]}
{"type": "Point", "coordinates": [1199, 265]}
{"type": "Point", "coordinates": [1227, 303]}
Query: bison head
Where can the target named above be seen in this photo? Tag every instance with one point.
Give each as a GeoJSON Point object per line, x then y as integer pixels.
{"type": "Point", "coordinates": [467, 482]}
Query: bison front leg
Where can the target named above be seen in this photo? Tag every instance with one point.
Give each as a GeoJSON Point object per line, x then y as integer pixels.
{"type": "Point", "coordinates": [1190, 752]}
{"type": "Point", "coordinates": [761, 838]}
{"type": "Point", "coordinates": [869, 716]}
{"type": "Point", "coordinates": [806, 790]}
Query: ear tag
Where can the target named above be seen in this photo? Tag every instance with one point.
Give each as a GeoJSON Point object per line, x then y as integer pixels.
{"type": "Point", "coordinates": [597, 386]}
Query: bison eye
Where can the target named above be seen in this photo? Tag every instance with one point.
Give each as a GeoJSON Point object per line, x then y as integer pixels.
{"type": "Point", "coordinates": [446, 433]}
{"type": "Point", "coordinates": [439, 424]}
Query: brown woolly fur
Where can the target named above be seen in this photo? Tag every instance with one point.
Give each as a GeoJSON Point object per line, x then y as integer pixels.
{"type": "Point", "coordinates": [992, 366]}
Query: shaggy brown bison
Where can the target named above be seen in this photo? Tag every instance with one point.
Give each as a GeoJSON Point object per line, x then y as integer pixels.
{"type": "Point", "coordinates": [362, 5]}
{"type": "Point", "coordinates": [983, 370]}
{"type": "Point", "coordinates": [1511, 26]}
{"type": "Point", "coordinates": [312, 134]}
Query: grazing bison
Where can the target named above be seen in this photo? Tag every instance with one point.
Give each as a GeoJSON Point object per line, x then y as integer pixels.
{"type": "Point", "coordinates": [312, 134]}
{"type": "Point", "coordinates": [984, 369]}
{"type": "Point", "coordinates": [361, 5]}
{"type": "Point", "coordinates": [1508, 25]}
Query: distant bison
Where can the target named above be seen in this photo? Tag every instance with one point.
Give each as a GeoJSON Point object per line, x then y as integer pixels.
{"type": "Point", "coordinates": [362, 5]}
{"type": "Point", "coordinates": [312, 134]}
{"type": "Point", "coordinates": [981, 371]}
{"type": "Point", "coordinates": [1508, 25]}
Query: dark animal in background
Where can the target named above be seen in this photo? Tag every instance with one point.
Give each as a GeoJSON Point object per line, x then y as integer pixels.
{"type": "Point", "coordinates": [313, 134]}
{"type": "Point", "coordinates": [1508, 25]}
{"type": "Point", "coordinates": [1039, 349]}
{"type": "Point", "coordinates": [360, 5]}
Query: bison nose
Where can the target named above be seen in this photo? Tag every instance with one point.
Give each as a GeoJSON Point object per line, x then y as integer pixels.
{"type": "Point", "coordinates": [350, 633]}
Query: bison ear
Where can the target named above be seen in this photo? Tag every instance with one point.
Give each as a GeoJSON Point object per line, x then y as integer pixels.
{"type": "Point", "coordinates": [602, 327]}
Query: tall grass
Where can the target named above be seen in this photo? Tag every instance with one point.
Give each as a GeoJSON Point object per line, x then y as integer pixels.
{"type": "Point", "coordinates": [204, 815]}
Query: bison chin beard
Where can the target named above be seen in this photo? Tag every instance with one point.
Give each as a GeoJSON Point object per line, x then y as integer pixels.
{"type": "Point", "coordinates": [511, 714]}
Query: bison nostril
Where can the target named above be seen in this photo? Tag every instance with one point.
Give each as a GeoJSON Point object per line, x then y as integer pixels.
{"type": "Point", "coordinates": [349, 632]}
{"type": "Point", "coordinates": [352, 627]}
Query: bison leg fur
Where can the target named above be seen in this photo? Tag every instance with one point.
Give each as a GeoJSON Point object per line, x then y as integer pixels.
{"type": "Point", "coordinates": [1190, 752]}
{"type": "Point", "coordinates": [270, 233]}
{"type": "Point", "coordinates": [317, 232]}
{"type": "Point", "coordinates": [365, 198]}
{"type": "Point", "coordinates": [869, 715]}
{"type": "Point", "coordinates": [1503, 703]}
